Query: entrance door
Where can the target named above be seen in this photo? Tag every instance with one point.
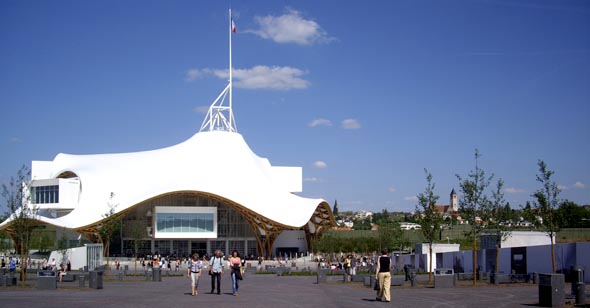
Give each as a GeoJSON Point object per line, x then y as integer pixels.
{"type": "Point", "coordinates": [518, 260]}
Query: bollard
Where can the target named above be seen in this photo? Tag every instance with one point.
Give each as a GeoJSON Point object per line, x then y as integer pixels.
{"type": "Point", "coordinates": [578, 287]}
{"type": "Point", "coordinates": [412, 277]}
{"type": "Point", "coordinates": [82, 281]}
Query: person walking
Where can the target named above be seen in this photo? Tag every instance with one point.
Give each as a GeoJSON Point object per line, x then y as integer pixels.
{"type": "Point", "coordinates": [216, 270]}
{"type": "Point", "coordinates": [193, 273]}
{"type": "Point", "coordinates": [383, 275]}
{"type": "Point", "coordinates": [12, 266]}
{"type": "Point", "coordinates": [235, 262]}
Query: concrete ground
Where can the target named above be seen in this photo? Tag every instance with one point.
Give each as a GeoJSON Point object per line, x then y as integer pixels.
{"type": "Point", "coordinates": [267, 291]}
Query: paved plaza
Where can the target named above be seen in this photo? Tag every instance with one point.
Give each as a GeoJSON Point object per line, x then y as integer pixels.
{"type": "Point", "coordinates": [266, 291]}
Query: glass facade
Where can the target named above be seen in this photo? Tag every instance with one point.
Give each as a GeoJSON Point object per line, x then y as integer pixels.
{"type": "Point", "coordinates": [184, 222]}
{"type": "Point", "coordinates": [165, 216]}
{"type": "Point", "coordinates": [45, 194]}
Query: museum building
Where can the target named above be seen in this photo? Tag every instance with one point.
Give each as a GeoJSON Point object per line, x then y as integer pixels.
{"type": "Point", "coordinates": [209, 192]}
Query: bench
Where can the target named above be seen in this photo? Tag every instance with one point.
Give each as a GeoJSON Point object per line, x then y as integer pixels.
{"type": "Point", "coordinates": [500, 278]}
{"type": "Point", "coordinates": [68, 278]}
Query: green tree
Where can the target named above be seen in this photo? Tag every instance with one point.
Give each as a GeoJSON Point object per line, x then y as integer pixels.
{"type": "Point", "coordinates": [109, 227]}
{"type": "Point", "coordinates": [572, 215]}
{"type": "Point", "coordinates": [499, 215]}
{"type": "Point", "coordinates": [5, 242]}
{"type": "Point", "coordinates": [474, 206]}
{"type": "Point", "coordinates": [546, 203]}
{"type": "Point", "coordinates": [43, 239]}
{"type": "Point", "coordinates": [22, 214]}
{"type": "Point", "coordinates": [62, 248]}
{"type": "Point", "coordinates": [389, 230]}
{"type": "Point", "coordinates": [361, 224]}
{"type": "Point", "coordinates": [335, 210]}
{"type": "Point", "coordinates": [137, 231]}
{"type": "Point", "coordinates": [428, 217]}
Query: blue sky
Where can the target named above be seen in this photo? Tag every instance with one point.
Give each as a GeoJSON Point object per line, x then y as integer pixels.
{"type": "Point", "coordinates": [362, 94]}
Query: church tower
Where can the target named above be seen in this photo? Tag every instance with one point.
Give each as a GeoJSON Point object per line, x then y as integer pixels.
{"type": "Point", "coordinates": [454, 201]}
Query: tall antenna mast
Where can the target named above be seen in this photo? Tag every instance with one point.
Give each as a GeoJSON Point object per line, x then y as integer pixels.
{"type": "Point", "coordinates": [220, 117]}
{"type": "Point", "coordinates": [231, 29]}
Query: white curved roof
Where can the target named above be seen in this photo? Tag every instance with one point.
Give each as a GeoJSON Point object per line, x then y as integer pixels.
{"type": "Point", "coordinates": [214, 162]}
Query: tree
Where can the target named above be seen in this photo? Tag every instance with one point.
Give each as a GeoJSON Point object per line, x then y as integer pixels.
{"type": "Point", "coordinates": [428, 217]}
{"type": "Point", "coordinates": [5, 242]}
{"type": "Point", "coordinates": [474, 206]}
{"type": "Point", "coordinates": [547, 200]}
{"type": "Point", "coordinates": [62, 248]}
{"type": "Point", "coordinates": [23, 214]}
{"type": "Point", "coordinates": [499, 214]}
{"type": "Point", "coordinates": [389, 230]}
{"type": "Point", "coordinates": [361, 224]}
{"type": "Point", "coordinates": [572, 215]}
{"type": "Point", "coordinates": [137, 231]}
{"type": "Point", "coordinates": [335, 210]}
{"type": "Point", "coordinates": [109, 227]}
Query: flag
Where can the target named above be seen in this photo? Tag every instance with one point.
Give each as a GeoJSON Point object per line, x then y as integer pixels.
{"type": "Point", "coordinates": [233, 26]}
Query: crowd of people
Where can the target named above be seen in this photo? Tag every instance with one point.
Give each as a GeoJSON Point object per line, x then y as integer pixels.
{"type": "Point", "coordinates": [216, 265]}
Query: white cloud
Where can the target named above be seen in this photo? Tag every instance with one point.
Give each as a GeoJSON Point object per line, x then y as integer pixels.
{"type": "Point", "coordinates": [312, 180]}
{"type": "Point", "coordinates": [320, 164]}
{"type": "Point", "coordinates": [411, 198]}
{"type": "Point", "coordinates": [201, 109]}
{"type": "Point", "coordinates": [320, 122]}
{"type": "Point", "coordinates": [579, 185]}
{"type": "Point", "coordinates": [258, 77]}
{"type": "Point", "coordinates": [290, 27]}
{"type": "Point", "coordinates": [351, 124]}
{"type": "Point", "coordinates": [391, 189]}
{"type": "Point", "coordinates": [193, 74]}
{"type": "Point", "coordinates": [15, 140]}
{"type": "Point", "coordinates": [513, 190]}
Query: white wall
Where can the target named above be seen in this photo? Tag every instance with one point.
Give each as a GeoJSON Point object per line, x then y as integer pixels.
{"type": "Point", "coordinates": [526, 238]}
{"type": "Point", "coordinates": [516, 239]}
{"type": "Point", "coordinates": [422, 249]}
{"type": "Point", "coordinates": [291, 238]}
{"type": "Point", "coordinates": [76, 255]}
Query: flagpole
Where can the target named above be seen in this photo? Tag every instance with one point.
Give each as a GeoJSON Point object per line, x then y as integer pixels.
{"type": "Point", "coordinates": [230, 64]}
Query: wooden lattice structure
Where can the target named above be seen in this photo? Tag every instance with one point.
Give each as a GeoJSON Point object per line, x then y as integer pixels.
{"type": "Point", "coordinates": [266, 231]}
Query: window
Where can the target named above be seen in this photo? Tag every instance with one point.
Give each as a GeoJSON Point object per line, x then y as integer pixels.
{"type": "Point", "coordinates": [184, 222]}
{"type": "Point", "coordinates": [45, 194]}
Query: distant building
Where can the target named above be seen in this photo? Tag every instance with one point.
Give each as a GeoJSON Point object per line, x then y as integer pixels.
{"type": "Point", "coordinates": [451, 209]}
{"type": "Point", "coordinates": [363, 214]}
{"type": "Point", "coordinates": [409, 226]}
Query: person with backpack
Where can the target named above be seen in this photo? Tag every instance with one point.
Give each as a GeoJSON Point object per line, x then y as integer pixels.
{"type": "Point", "coordinates": [216, 270]}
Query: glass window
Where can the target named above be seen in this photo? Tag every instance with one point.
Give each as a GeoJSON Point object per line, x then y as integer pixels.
{"type": "Point", "coordinates": [45, 194]}
{"type": "Point", "coordinates": [186, 222]}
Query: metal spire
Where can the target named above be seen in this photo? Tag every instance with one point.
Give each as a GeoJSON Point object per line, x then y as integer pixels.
{"type": "Point", "coordinates": [220, 117]}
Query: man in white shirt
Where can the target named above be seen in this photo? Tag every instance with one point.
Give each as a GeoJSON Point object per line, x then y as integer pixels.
{"type": "Point", "coordinates": [216, 270]}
